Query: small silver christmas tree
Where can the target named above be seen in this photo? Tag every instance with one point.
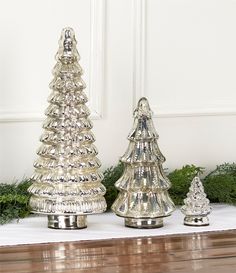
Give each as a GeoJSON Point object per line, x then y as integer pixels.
{"type": "Point", "coordinates": [196, 205]}
{"type": "Point", "coordinates": [143, 199]}
{"type": "Point", "coordinates": [67, 183]}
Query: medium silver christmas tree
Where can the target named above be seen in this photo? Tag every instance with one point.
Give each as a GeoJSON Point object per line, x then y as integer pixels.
{"type": "Point", "coordinates": [196, 205]}
{"type": "Point", "coordinates": [67, 183]}
{"type": "Point", "coordinates": [143, 199]}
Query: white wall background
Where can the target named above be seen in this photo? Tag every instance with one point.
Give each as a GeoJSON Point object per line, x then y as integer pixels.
{"type": "Point", "coordinates": [179, 53]}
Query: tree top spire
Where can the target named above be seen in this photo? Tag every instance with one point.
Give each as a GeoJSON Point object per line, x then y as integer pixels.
{"type": "Point", "coordinates": [67, 46]}
{"type": "Point", "coordinates": [143, 109]}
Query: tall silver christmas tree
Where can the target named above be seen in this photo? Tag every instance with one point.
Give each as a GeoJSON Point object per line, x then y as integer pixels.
{"type": "Point", "coordinates": [196, 205]}
{"type": "Point", "coordinates": [67, 183]}
{"type": "Point", "coordinates": [143, 199]}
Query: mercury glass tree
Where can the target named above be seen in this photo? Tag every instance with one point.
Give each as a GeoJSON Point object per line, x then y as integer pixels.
{"type": "Point", "coordinates": [196, 205]}
{"type": "Point", "coordinates": [143, 199]}
{"type": "Point", "coordinates": [67, 183]}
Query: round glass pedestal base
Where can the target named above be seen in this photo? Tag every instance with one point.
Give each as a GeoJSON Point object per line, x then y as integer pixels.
{"type": "Point", "coordinates": [67, 221]}
{"type": "Point", "coordinates": [144, 223]}
{"type": "Point", "coordinates": [196, 221]}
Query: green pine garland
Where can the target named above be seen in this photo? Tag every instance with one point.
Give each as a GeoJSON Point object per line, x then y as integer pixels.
{"type": "Point", "coordinates": [14, 200]}
{"type": "Point", "coordinates": [220, 186]}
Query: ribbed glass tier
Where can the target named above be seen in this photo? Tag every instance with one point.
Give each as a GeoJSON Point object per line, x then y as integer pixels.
{"type": "Point", "coordinates": [51, 151]}
{"type": "Point", "coordinates": [143, 128]}
{"type": "Point", "coordinates": [71, 206]}
{"type": "Point", "coordinates": [67, 124]}
{"type": "Point", "coordinates": [143, 204]}
{"type": "Point", "coordinates": [73, 163]}
{"type": "Point", "coordinates": [67, 190]}
{"type": "Point", "coordinates": [144, 177]}
{"type": "Point", "coordinates": [54, 138]}
{"type": "Point", "coordinates": [65, 111]}
{"type": "Point", "coordinates": [65, 98]}
{"type": "Point", "coordinates": [58, 176]}
{"type": "Point", "coordinates": [145, 151]}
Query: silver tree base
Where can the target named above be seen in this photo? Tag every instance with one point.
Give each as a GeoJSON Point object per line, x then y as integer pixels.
{"type": "Point", "coordinates": [144, 223]}
{"type": "Point", "coordinates": [196, 221]}
{"type": "Point", "coordinates": [67, 221]}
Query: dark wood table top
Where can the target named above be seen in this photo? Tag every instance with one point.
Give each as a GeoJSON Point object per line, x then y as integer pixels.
{"type": "Point", "coordinates": [203, 252]}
